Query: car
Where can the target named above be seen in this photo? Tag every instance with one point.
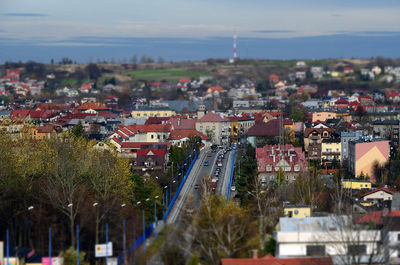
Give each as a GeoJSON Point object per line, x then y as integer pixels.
{"type": "Point", "coordinates": [219, 164]}
{"type": "Point", "coordinates": [233, 188]}
{"type": "Point", "coordinates": [196, 186]}
{"type": "Point", "coordinates": [209, 155]}
{"type": "Point", "coordinates": [214, 151]}
{"type": "Point", "coordinates": [228, 149]}
{"type": "Point", "coordinates": [206, 163]}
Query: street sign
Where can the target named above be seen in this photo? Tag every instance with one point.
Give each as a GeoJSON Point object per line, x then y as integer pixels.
{"type": "Point", "coordinates": [101, 250]}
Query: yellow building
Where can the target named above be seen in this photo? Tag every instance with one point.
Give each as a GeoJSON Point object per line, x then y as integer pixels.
{"type": "Point", "coordinates": [240, 126]}
{"type": "Point", "coordinates": [297, 211]}
{"type": "Point", "coordinates": [356, 184]}
{"type": "Point", "coordinates": [323, 116]}
{"type": "Point", "coordinates": [331, 150]}
{"type": "Point", "coordinates": [152, 112]}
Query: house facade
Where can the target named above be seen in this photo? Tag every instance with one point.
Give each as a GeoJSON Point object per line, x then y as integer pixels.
{"type": "Point", "coordinates": [273, 160]}
{"type": "Point", "coordinates": [215, 127]}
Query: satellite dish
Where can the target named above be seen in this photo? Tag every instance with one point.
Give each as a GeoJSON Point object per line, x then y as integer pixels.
{"type": "Point", "coordinates": [296, 211]}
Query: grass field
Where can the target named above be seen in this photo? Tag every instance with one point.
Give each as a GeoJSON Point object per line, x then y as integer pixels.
{"type": "Point", "coordinates": [166, 74]}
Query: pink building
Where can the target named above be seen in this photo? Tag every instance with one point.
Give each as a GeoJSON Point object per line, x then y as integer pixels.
{"type": "Point", "coordinates": [364, 154]}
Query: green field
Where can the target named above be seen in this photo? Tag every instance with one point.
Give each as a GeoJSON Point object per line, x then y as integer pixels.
{"type": "Point", "coordinates": [166, 74]}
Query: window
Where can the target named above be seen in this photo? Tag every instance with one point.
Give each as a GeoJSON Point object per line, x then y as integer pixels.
{"type": "Point", "coordinates": [398, 237]}
{"type": "Point", "coordinates": [138, 114]}
{"type": "Point", "coordinates": [294, 177]}
{"type": "Point", "coordinates": [152, 136]}
{"type": "Point", "coordinates": [164, 136]}
{"type": "Point", "coordinates": [269, 168]}
{"type": "Point", "coordinates": [158, 137]}
{"type": "Point", "coordinates": [356, 249]}
{"type": "Point", "coordinates": [318, 250]}
{"type": "Point", "coordinates": [290, 213]}
{"type": "Point", "coordinates": [287, 178]}
{"type": "Point", "coordinates": [201, 127]}
{"type": "Point", "coordinates": [213, 127]}
{"type": "Point", "coordinates": [271, 178]}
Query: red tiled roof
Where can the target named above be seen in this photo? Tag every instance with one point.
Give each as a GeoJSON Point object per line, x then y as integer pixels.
{"type": "Point", "coordinates": [236, 118]}
{"type": "Point", "coordinates": [156, 120]}
{"type": "Point", "coordinates": [211, 117]}
{"type": "Point", "coordinates": [184, 80]}
{"type": "Point", "coordinates": [269, 129]}
{"type": "Point", "coordinates": [147, 152]}
{"type": "Point", "coordinates": [91, 105]}
{"type": "Point", "coordinates": [374, 217]}
{"type": "Point", "coordinates": [392, 94]}
{"type": "Point", "coordinates": [137, 145]}
{"type": "Point", "coordinates": [19, 114]}
{"type": "Point", "coordinates": [43, 114]}
{"type": "Point", "coordinates": [180, 134]}
{"type": "Point", "coordinates": [377, 190]}
{"type": "Point", "coordinates": [341, 101]}
{"type": "Point", "coordinates": [272, 154]}
{"type": "Point", "coordinates": [47, 128]}
{"type": "Point", "coordinates": [183, 123]}
{"type": "Point", "coordinates": [107, 114]}
{"type": "Point", "coordinates": [271, 260]}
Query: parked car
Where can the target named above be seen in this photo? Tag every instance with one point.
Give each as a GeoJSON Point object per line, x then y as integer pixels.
{"type": "Point", "coordinates": [205, 163]}
{"type": "Point", "coordinates": [233, 188]}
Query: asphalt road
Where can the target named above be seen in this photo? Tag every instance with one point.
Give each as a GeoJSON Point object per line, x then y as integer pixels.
{"type": "Point", "coordinates": [198, 172]}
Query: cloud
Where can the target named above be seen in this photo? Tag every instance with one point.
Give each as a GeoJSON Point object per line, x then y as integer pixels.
{"type": "Point", "coordinates": [337, 15]}
{"type": "Point", "coordinates": [24, 15]}
{"type": "Point", "coordinates": [274, 31]}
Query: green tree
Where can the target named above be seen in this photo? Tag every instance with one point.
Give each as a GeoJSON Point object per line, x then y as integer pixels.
{"type": "Point", "coordinates": [79, 131]}
{"type": "Point", "coordinates": [297, 114]}
{"type": "Point", "coordinates": [223, 230]}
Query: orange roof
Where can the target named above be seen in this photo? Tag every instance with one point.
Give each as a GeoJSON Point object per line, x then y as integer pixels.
{"type": "Point", "coordinates": [92, 105]}
{"type": "Point", "coordinates": [216, 88]}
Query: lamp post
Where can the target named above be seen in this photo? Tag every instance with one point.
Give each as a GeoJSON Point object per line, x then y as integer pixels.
{"type": "Point", "coordinates": [123, 235]}
{"type": "Point", "coordinates": [166, 195]}
{"type": "Point", "coordinates": [155, 217]}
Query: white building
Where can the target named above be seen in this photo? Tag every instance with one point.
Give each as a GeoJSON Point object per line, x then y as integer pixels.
{"type": "Point", "coordinates": [334, 236]}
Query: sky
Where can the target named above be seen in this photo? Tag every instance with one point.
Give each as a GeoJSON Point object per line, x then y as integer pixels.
{"type": "Point", "coordinates": [28, 27]}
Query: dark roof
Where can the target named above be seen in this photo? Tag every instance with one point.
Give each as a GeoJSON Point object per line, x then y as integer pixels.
{"type": "Point", "coordinates": [269, 129]}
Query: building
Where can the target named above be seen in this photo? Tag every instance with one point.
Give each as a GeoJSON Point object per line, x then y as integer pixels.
{"type": "Point", "coordinates": [330, 151]}
{"type": "Point", "coordinates": [145, 112]}
{"type": "Point", "coordinates": [313, 139]}
{"type": "Point", "coordinates": [356, 184]}
{"type": "Point", "coordinates": [270, 132]}
{"type": "Point", "coordinates": [271, 260]}
{"type": "Point", "coordinates": [150, 159]}
{"type": "Point", "coordinates": [240, 126]}
{"type": "Point", "coordinates": [142, 133]}
{"type": "Point", "coordinates": [215, 127]}
{"type": "Point", "coordinates": [387, 129]}
{"type": "Point", "coordinates": [333, 236]}
{"type": "Point", "coordinates": [345, 138]}
{"type": "Point", "coordinates": [297, 211]}
{"type": "Point", "coordinates": [276, 159]}
{"type": "Point", "coordinates": [363, 154]}
{"type": "Point", "coordinates": [179, 137]}
{"type": "Point", "coordinates": [391, 239]}
{"type": "Point", "coordinates": [381, 194]}
{"type": "Point", "coordinates": [323, 116]}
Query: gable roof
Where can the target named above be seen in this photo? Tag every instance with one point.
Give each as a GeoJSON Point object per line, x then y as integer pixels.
{"type": "Point", "coordinates": [150, 152]}
{"type": "Point", "coordinates": [211, 117]}
{"type": "Point", "coordinates": [269, 129]}
{"type": "Point", "coordinates": [384, 189]}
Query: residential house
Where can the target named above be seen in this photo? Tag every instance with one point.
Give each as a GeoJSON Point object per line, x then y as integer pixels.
{"type": "Point", "coordinates": [215, 127]}
{"type": "Point", "coordinates": [46, 131]}
{"type": "Point", "coordinates": [331, 151]}
{"type": "Point", "coordinates": [180, 136]}
{"type": "Point", "coordinates": [13, 75]}
{"type": "Point", "coordinates": [345, 138]}
{"type": "Point", "coordinates": [153, 133]}
{"type": "Point", "coordinates": [276, 159]}
{"type": "Point", "coordinates": [381, 194]}
{"type": "Point", "coordinates": [269, 133]}
{"type": "Point", "coordinates": [313, 139]}
{"type": "Point", "coordinates": [364, 154]}
{"type": "Point", "coordinates": [150, 159]}
{"type": "Point", "coordinates": [393, 96]}
{"type": "Point", "coordinates": [90, 107]}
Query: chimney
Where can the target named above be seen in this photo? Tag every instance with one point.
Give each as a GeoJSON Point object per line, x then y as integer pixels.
{"type": "Point", "coordinates": [255, 253]}
{"type": "Point", "coordinates": [179, 122]}
{"type": "Point", "coordinates": [291, 158]}
{"type": "Point", "coordinates": [273, 157]}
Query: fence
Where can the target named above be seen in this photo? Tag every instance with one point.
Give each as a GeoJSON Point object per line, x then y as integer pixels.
{"type": "Point", "coordinates": [231, 175]}
{"type": "Point", "coordinates": [142, 238]}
